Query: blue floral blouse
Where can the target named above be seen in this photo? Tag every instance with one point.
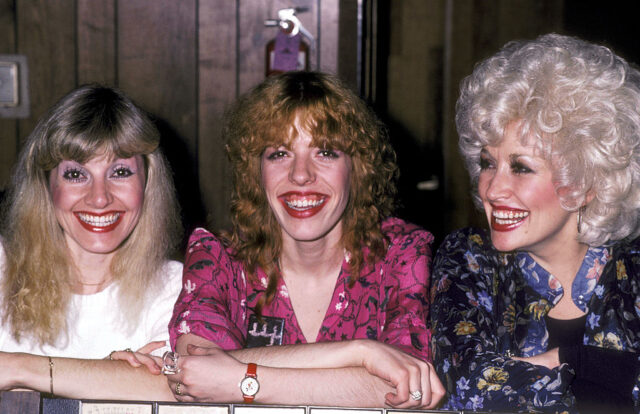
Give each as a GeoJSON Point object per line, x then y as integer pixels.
{"type": "Point", "coordinates": [488, 306]}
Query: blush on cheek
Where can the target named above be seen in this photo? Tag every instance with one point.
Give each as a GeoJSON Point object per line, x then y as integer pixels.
{"type": "Point", "coordinates": [544, 195]}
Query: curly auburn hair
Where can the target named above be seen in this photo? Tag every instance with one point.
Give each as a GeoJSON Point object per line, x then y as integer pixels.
{"type": "Point", "coordinates": [335, 118]}
{"type": "Point", "coordinates": [579, 104]}
{"type": "Point", "coordinates": [36, 289]}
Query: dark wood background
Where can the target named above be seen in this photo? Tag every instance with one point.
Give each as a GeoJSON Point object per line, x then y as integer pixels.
{"type": "Point", "coordinates": [184, 61]}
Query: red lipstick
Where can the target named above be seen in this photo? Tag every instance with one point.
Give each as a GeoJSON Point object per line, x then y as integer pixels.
{"type": "Point", "coordinates": [99, 223]}
{"type": "Point", "coordinates": [303, 204]}
{"type": "Point", "coordinates": [507, 218]}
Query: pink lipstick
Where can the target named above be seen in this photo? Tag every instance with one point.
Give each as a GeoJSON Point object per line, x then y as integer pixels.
{"type": "Point", "coordinates": [99, 223]}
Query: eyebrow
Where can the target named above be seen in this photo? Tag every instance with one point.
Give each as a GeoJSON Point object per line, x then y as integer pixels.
{"type": "Point", "coordinates": [512, 157]}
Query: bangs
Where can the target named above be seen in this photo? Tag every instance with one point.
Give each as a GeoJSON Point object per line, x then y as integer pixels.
{"type": "Point", "coordinates": [91, 122]}
{"type": "Point", "coordinates": [324, 130]}
{"type": "Point", "coordinates": [85, 145]}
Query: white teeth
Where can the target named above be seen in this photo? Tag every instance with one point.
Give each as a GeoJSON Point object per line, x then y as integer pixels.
{"type": "Point", "coordinates": [509, 217]}
{"type": "Point", "coordinates": [99, 221]}
{"type": "Point", "coordinates": [303, 204]}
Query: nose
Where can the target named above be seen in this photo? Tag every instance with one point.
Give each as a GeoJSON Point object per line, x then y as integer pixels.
{"type": "Point", "coordinates": [498, 186]}
{"type": "Point", "coordinates": [99, 195]}
{"type": "Point", "coordinates": [302, 171]}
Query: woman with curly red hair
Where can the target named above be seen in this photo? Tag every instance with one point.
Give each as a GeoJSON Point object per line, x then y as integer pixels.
{"type": "Point", "coordinates": [314, 263]}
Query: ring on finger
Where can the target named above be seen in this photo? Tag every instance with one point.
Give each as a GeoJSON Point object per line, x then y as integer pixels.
{"type": "Point", "coordinates": [416, 395]}
{"type": "Point", "coordinates": [128, 350]}
{"type": "Point", "coordinates": [111, 354]}
{"type": "Point", "coordinates": [178, 386]}
{"type": "Point", "coordinates": [170, 364]}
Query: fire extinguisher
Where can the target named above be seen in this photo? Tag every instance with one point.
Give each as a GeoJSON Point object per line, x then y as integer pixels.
{"type": "Point", "coordinates": [288, 51]}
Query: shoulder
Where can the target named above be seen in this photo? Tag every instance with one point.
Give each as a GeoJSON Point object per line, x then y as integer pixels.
{"type": "Point", "coordinates": [208, 255]}
{"type": "Point", "coordinates": [467, 240]}
{"type": "Point", "coordinates": [626, 257]}
{"type": "Point", "coordinates": [403, 234]}
{"type": "Point", "coordinates": [626, 249]}
{"type": "Point", "coordinates": [469, 249]}
{"type": "Point", "coordinates": [168, 282]}
{"type": "Point", "coordinates": [172, 270]}
{"type": "Point", "coordinates": [202, 238]}
{"type": "Point", "coordinates": [204, 243]}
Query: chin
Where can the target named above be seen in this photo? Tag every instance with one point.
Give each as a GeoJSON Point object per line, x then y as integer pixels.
{"type": "Point", "coordinates": [504, 245]}
{"type": "Point", "coordinates": [101, 248]}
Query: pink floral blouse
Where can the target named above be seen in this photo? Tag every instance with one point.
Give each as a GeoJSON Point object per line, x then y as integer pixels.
{"type": "Point", "coordinates": [388, 303]}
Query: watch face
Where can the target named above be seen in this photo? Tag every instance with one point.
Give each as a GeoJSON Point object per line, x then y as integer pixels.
{"type": "Point", "coordinates": [249, 386]}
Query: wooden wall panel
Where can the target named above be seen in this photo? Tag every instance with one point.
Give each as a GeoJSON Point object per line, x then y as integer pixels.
{"type": "Point", "coordinates": [328, 34]}
{"type": "Point", "coordinates": [157, 67]}
{"type": "Point", "coordinates": [157, 60]}
{"type": "Point", "coordinates": [478, 29]}
{"type": "Point", "coordinates": [252, 38]}
{"type": "Point", "coordinates": [97, 42]}
{"type": "Point", "coordinates": [8, 127]}
{"type": "Point", "coordinates": [217, 88]}
{"type": "Point", "coordinates": [460, 212]}
{"type": "Point", "coordinates": [179, 60]}
{"type": "Point", "coordinates": [46, 34]}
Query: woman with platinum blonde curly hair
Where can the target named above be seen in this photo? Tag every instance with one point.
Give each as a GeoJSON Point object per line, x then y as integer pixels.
{"type": "Point", "coordinates": [540, 313]}
{"type": "Point", "coordinates": [88, 227]}
{"type": "Point", "coordinates": [314, 263]}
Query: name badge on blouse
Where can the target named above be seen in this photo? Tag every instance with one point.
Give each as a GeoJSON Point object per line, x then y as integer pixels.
{"type": "Point", "coordinates": [266, 333]}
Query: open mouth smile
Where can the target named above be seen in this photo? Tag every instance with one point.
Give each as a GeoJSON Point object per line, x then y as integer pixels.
{"type": "Point", "coordinates": [505, 219]}
{"type": "Point", "coordinates": [303, 205]}
{"type": "Point", "coordinates": [99, 223]}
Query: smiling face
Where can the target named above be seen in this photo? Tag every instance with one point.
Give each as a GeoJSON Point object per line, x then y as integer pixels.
{"type": "Point", "coordinates": [98, 204]}
{"type": "Point", "coordinates": [520, 200]}
{"type": "Point", "coordinates": [307, 188]}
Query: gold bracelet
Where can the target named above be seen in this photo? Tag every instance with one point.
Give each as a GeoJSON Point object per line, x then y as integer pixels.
{"type": "Point", "coordinates": [51, 375]}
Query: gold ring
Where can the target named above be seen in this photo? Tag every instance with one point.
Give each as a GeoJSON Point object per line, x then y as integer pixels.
{"type": "Point", "coordinates": [128, 350]}
{"type": "Point", "coordinates": [178, 385]}
{"type": "Point", "coordinates": [111, 355]}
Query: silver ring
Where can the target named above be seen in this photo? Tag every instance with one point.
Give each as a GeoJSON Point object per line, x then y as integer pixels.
{"type": "Point", "coordinates": [416, 395]}
{"type": "Point", "coordinates": [178, 385]}
{"type": "Point", "coordinates": [170, 364]}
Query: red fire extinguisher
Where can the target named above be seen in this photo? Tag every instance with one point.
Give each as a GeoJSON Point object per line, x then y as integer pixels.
{"type": "Point", "coordinates": [288, 51]}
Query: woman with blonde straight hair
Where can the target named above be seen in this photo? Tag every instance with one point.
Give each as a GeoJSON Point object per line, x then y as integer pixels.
{"type": "Point", "coordinates": [88, 226]}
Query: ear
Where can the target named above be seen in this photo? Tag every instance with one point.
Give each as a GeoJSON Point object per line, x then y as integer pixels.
{"type": "Point", "coordinates": [590, 195]}
{"type": "Point", "coordinates": [565, 191]}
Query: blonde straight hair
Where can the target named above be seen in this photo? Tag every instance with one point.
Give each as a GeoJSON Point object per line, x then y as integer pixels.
{"type": "Point", "coordinates": [90, 121]}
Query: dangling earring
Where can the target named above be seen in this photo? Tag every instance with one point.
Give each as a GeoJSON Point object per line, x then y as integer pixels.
{"type": "Point", "coordinates": [580, 211]}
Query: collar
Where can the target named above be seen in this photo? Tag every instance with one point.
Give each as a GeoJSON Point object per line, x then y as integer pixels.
{"type": "Point", "coordinates": [583, 286]}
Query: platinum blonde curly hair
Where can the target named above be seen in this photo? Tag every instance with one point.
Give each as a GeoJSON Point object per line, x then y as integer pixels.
{"type": "Point", "coordinates": [578, 104]}
{"type": "Point", "coordinates": [36, 284]}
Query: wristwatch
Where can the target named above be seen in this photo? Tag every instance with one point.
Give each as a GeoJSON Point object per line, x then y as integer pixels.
{"type": "Point", "coordinates": [249, 385]}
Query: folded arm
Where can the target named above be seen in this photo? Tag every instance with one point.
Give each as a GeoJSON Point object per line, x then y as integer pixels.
{"type": "Point", "coordinates": [351, 373]}
{"type": "Point", "coordinates": [82, 378]}
{"type": "Point", "coordinates": [470, 328]}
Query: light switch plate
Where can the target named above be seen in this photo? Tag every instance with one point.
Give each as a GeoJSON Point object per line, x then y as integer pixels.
{"type": "Point", "coordinates": [14, 91]}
